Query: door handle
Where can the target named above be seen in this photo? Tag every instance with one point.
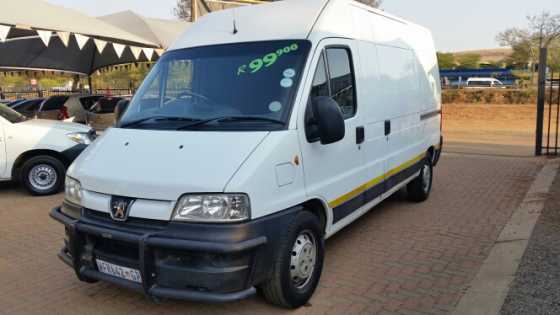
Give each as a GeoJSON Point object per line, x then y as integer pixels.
{"type": "Point", "coordinates": [360, 135]}
{"type": "Point", "coordinates": [387, 127]}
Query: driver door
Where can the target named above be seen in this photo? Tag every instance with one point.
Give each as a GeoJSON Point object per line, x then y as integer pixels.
{"type": "Point", "coordinates": [335, 172]}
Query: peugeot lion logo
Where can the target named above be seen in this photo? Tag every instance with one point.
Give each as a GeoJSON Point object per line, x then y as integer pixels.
{"type": "Point", "coordinates": [120, 208]}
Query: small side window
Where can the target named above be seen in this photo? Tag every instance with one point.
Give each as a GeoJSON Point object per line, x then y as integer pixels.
{"type": "Point", "coordinates": [342, 80]}
{"type": "Point", "coordinates": [320, 85]}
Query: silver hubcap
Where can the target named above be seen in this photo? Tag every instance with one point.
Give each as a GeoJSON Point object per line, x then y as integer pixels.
{"type": "Point", "coordinates": [43, 177]}
{"type": "Point", "coordinates": [304, 256]}
{"type": "Point", "coordinates": [426, 178]}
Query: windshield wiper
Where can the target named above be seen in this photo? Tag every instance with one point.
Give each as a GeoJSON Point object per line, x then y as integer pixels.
{"type": "Point", "coordinates": [231, 119]}
{"type": "Point", "coordinates": [157, 118]}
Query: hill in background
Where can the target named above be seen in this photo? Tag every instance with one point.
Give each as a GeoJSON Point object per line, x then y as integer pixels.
{"type": "Point", "coordinates": [488, 55]}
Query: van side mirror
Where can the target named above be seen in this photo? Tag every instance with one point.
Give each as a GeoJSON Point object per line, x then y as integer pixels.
{"type": "Point", "coordinates": [121, 107]}
{"type": "Point", "coordinates": [327, 120]}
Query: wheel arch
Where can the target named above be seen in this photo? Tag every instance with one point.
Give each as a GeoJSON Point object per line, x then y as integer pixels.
{"type": "Point", "coordinates": [22, 158]}
{"type": "Point", "coordinates": [319, 208]}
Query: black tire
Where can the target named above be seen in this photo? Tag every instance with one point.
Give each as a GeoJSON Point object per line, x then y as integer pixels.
{"type": "Point", "coordinates": [419, 189]}
{"type": "Point", "coordinates": [280, 289]}
{"type": "Point", "coordinates": [51, 165]}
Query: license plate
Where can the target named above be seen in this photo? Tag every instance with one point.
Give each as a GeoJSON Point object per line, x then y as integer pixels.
{"type": "Point", "coordinates": [119, 271]}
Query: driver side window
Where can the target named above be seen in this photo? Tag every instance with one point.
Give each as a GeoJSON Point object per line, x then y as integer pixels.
{"type": "Point", "coordinates": [334, 77]}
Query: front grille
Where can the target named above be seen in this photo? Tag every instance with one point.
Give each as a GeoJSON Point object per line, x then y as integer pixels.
{"type": "Point", "coordinates": [114, 248]}
{"type": "Point", "coordinates": [132, 222]}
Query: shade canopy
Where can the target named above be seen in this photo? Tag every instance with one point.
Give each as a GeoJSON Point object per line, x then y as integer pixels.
{"type": "Point", "coordinates": [162, 32]}
{"type": "Point", "coordinates": [37, 35]}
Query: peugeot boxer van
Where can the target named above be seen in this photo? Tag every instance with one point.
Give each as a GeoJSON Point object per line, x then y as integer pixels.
{"type": "Point", "coordinates": [262, 132]}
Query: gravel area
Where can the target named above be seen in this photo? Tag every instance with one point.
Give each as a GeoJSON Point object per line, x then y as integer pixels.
{"type": "Point", "coordinates": [536, 289]}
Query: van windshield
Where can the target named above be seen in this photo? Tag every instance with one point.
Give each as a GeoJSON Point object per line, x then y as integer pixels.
{"type": "Point", "coordinates": [247, 86]}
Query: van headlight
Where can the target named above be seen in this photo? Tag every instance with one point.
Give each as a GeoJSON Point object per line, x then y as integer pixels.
{"type": "Point", "coordinates": [73, 191]}
{"type": "Point", "coordinates": [221, 208]}
{"type": "Point", "coordinates": [81, 137]}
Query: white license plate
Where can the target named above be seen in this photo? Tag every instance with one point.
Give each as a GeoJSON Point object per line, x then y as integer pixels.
{"type": "Point", "coordinates": [119, 271]}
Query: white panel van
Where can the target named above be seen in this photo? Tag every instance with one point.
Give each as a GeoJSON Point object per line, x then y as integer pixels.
{"type": "Point", "coordinates": [262, 132]}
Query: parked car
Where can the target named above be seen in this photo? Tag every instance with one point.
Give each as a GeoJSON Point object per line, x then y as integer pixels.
{"type": "Point", "coordinates": [37, 152]}
{"type": "Point", "coordinates": [12, 103]}
{"type": "Point", "coordinates": [484, 83]}
{"type": "Point", "coordinates": [5, 102]}
{"type": "Point", "coordinates": [554, 83]}
{"type": "Point", "coordinates": [243, 150]}
{"type": "Point", "coordinates": [27, 108]}
{"type": "Point", "coordinates": [102, 113]}
{"type": "Point", "coordinates": [72, 108]}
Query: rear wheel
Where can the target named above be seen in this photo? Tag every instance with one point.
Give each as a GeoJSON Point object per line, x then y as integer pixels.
{"type": "Point", "coordinates": [298, 265]}
{"type": "Point", "coordinates": [419, 189]}
{"type": "Point", "coordinates": [43, 175]}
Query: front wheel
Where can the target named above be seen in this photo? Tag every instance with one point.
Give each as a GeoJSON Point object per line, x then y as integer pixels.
{"type": "Point", "coordinates": [419, 189]}
{"type": "Point", "coordinates": [43, 175]}
{"type": "Point", "coordinates": [298, 265]}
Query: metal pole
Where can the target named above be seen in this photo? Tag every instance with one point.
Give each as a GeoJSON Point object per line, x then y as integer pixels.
{"type": "Point", "coordinates": [194, 10]}
{"type": "Point", "coordinates": [540, 101]}
{"type": "Point", "coordinates": [557, 118]}
{"type": "Point", "coordinates": [90, 83]}
{"type": "Point", "coordinates": [551, 87]}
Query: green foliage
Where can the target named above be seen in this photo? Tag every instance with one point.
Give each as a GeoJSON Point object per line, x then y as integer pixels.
{"type": "Point", "coordinates": [468, 61]}
{"type": "Point", "coordinates": [521, 56]}
{"type": "Point", "coordinates": [446, 60]}
{"type": "Point", "coordinates": [119, 77]}
{"type": "Point", "coordinates": [554, 59]}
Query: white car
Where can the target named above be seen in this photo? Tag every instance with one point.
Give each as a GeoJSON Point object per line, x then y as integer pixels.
{"type": "Point", "coordinates": [249, 144]}
{"type": "Point", "coordinates": [37, 152]}
{"type": "Point", "coordinates": [481, 83]}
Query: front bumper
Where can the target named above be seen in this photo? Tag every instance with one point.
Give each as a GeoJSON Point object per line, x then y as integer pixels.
{"type": "Point", "coordinates": [199, 262]}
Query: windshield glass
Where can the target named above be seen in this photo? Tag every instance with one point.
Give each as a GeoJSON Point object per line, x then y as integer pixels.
{"type": "Point", "coordinates": [10, 114]}
{"type": "Point", "coordinates": [253, 83]}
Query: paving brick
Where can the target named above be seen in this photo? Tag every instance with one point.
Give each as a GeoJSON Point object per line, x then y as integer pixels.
{"type": "Point", "coordinates": [401, 258]}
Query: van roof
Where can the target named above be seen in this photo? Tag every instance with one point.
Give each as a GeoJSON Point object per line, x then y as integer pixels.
{"type": "Point", "coordinates": [280, 20]}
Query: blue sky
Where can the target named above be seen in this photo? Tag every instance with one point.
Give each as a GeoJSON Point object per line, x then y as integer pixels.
{"type": "Point", "coordinates": [457, 25]}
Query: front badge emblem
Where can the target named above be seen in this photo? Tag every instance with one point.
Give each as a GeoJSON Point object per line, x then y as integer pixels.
{"type": "Point", "coordinates": [120, 208]}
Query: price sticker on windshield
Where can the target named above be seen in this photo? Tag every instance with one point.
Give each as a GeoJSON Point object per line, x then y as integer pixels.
{"type": "Point", "coordinates": [266, 61]}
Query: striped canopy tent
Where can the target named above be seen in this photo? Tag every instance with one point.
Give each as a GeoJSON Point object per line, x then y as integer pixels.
{"type": "Point", "coordinates": [36, 35]}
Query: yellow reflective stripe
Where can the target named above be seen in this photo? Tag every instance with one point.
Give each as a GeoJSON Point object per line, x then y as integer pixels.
{"type": "Point", "coordinates": [356, 192]}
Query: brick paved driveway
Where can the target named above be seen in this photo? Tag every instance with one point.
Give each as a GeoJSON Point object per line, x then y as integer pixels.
{"type": "Point", "coordinates": [400, 258]}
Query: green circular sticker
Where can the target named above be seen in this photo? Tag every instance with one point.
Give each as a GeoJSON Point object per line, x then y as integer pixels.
{"type": "Point", "coordinates": [287, 82]}
{"type": "Point", "coordinates": [275, 106]}
{"type": "Point", "coordinates": [289, 73]}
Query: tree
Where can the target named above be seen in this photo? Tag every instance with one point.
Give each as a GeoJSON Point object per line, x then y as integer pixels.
{"type": "Point", "coordinates": [554, 60]}
{"type": "Point", "coordinates": [446, 60]}
{"type": "Point", "coordinates": [542, 31]}
{"type": "Point", "coordinates": [183, 8]}
{"type": "Point", "coordinates": [468, 61]}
